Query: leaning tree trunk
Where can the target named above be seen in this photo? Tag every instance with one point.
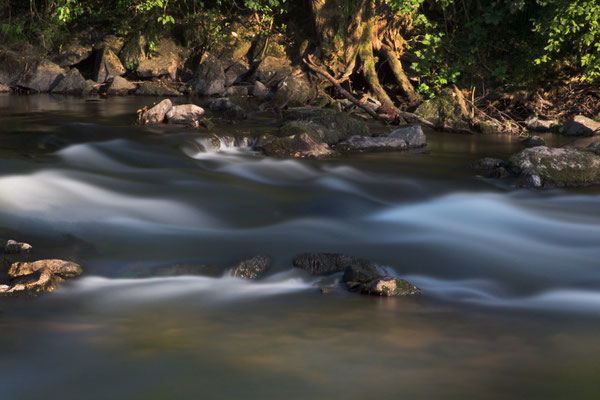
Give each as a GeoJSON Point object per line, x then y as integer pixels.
{"type": "Point", "coordinates": [351, 33]}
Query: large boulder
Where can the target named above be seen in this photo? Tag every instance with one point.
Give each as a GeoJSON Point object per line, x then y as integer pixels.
{"type": "Point", "coordinates": [235, 73]}
{"type": "Point", "coordinates": [133, 52]}
{"type": "Point", "coordinates": [72, 83]}
{"type": "Point", "coordinates": [41, 77]}
{"type": "Point", "coordinates": [120, 86]}
{"type": "Point", "coordinates": [536, 124]}
{"type": "Point", "coordinates": [227, 108]}
{"type": "Point", "coordinates": [252, 268]}
{"type": "Point", "coordinates": [108, 66]}
{"type": "Point", "coordinates": [581, 126]}
{"type": "Point", "coordinates": [73, 52]}
{"type": "Point", "coordinates": [293, 92]}
{"type": "Point", "coordinates": [151, 89]}
{"type": "Point", "coordinates": [156, 114]}
{"type": "Point", "coordinates": [548, 167]}
{"type": "Point", "coordinates": [325, 125]}
{"type": "Point", "coordinates": [301, 145]}
{"type": "Point", "coordinates": [273, 70]}
{"type": "Point", "coordinates": [209, 79]}
{"type": "Point", "coordinates": [39, 276]}
{"type": "Point", "coordinates": [186, 114]}
{"type": "Point", "coordinates": [164, 61]}
{"type": "Point", "coordinates": [447, 110]}
{"type": "Point", "coordinates": [12, 66]}
{"type": "Point", "coordinates": [412, 135]}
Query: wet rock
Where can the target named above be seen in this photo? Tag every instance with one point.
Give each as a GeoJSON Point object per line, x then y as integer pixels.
{"type": "Point", "coordinates": [533, 141]}
{"type": "Point", "coordinates": [163, 62]}
{"type": "Point", "coordinates": [40, 276]}
{"type": "Point", "coordinates": [259, 90]}
{"type": "Point", "coordinates": [151, 89]}
{"type": "Point", "coordinates": [412, 135]}
{"type": "Point", "coordinates": [556, 167]}
{"type": "Point", "coordinates": [14, 247]}
{"type": "Point", "coordinates": [42, 77]}
{"type": "Point", "coordinates": [273, 70]}
{"type": "Point", "coordinates": [533, 123]}
{"type": "Point", "coordinates": [227, 108]}
{"type": "Point", "coordinates": [581, 126]}
{"type": "Point", "coordinates": [209, 79]}
{"type": "Point", "coordinates": [72, 83]}
{"type": "Point", "coordinates": [293, 91]}
{"type": "Point", "coordinates": [4, 88]}
{"type": "Point", "coordinates": [366, 143]}
{"type": "Point", "coordinates": [108, 66]}
{"type": "Point", "coordinates": [120, 86]}
{"type": "Point", "coordinates": [326, 125]}
{"type": "Point", "coordinates": [300, 145]}
{"type": "Point", "coordinates": [252, 268]}
{"type": "Point", "coordinates": [388, 287]}
{"type": "Point", "coordinates": [487, 163]}
{"type": "Point", "coordinates": [186, 114]}
{"type": "Point", "coordinates": [447, 109]}
{"type": "Point", "coordinates": [156, 114]}
{"type": "Point", "coordinates": [133, 52]}
{"type": "Point", "coordinates": [329, 263]}
{"type": "Point", "coordinates": [595, 147]}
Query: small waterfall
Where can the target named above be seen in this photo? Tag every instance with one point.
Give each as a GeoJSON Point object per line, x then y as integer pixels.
{"type": "Point", "coordinates": [214, 143]}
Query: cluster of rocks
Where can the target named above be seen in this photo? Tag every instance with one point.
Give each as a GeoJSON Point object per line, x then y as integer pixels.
{"type": "Point", "coordinates": [358, 275]}
{"type": "Point", "coordinates": [543, 166]}
{"type": "Point", "coordinates": [34, 276]}
{"type": "Point", "coordinates": [165, 111]}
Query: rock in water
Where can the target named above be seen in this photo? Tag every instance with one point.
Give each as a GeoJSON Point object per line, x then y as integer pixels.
{"type": "Point", "coordinates": [329, 126]}
{"type": "Point", "coordinates": [388, 287]}
{"type": "Point", "coordinates": [301, 145]}
{"type": "Point", "coordinates": [120, 86]}
{"type": "Point", "coordinates": [412, 135]}
{"type": "Point", "coordinates": [329, 263]}
{"type": "Point", "coordinates": [14, 247]}
{"type": "Point", "coordinates": [156, 114]}
{"type": "Point", "coordinates": [534, 141]}
{"type": "Point", "coordinates": [228, 108]}
{"type": "Point", "coordinates": [252, 268]}
{"type": "Point", "coordinates": [40, 276]}
{"type": "Point", "coordinates": [544, 166]}
{"type": "Point", "coordinates": [72, 83]}
{"type": "Point", "coordinates": [42, 77]}
{"type": "Point", "coordinates": [366, 143]}
{"type": "Point", "coordinates": [186, 114]}
{"type": "Point", "coordinates": [581, 126]}
{"type": "Point", "coordinates": [539, 125]}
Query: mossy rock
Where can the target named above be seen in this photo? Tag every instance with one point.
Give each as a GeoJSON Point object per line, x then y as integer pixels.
{"type": "Point", "coordinates": [557, 166]}
{"type": "Point", "coordinates": [446, 110]}
{"type": "Point", "coordinates": [328, 125]}
{"type": "Point", "coordinates": [293, 92]}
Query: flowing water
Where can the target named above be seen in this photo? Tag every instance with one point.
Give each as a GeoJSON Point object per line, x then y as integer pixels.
{"type": "Point", "coordinates": [510, 278]}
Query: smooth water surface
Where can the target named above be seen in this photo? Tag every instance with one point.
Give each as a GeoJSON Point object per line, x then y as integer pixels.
{"type": "Point", "coordinates": [510, 278]}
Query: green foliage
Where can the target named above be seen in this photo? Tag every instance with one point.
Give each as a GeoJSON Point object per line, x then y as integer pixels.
{"type": "Point", "coordinates": [571, 31]}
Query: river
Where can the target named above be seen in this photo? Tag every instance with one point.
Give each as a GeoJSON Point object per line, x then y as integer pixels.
{"type": "Point", "coordinates": [510, 278]}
